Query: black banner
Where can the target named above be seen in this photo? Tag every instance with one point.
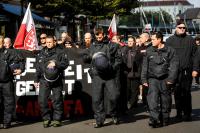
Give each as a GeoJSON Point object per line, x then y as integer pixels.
{"type": "Point", "coordinates": [76, 89]}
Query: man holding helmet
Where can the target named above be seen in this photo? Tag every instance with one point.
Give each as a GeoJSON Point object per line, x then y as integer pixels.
{"type": "Point", "coordinates": [51, 62]}
{"type": "Point", "coordinates": [103, 72]}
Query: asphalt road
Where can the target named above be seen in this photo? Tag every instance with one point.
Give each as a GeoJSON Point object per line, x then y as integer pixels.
{"type": "Point", "coordinates": [136, 121]}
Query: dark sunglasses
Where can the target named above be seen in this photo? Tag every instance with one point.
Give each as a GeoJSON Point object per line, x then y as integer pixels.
{"type": "Point", "coordinates": [181, 27]}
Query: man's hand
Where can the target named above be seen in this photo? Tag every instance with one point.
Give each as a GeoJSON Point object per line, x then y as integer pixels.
{"type": "Point", "coordinates": [17, 72]}
{"type": "Point", "coordinates": [52, 64]}
{"type": "Point", "coordinates": [194, 73]}
{"type": "Point", "coordinates": [37, 85]}
{"type": "Point", "coordinates": [146, 84]}
{"type": "Point", "coordinates": [169, 83]}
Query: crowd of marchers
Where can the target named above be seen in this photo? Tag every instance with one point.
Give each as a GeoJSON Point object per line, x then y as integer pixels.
{"type": "Point", "coordinates": [145, 69]}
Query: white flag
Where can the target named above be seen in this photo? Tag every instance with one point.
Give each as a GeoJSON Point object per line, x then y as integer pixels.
{"type": "Point", "coordinates": [26, 37]}
{"type": "Point", "coordinates": [112, 30]}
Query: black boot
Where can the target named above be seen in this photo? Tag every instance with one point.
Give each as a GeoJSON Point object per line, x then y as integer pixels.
{"type": "Point", "coordinates": [98, 125]}
{"type": "Point", "coordinates": [6, 125]}
{"type": "Point", "coordinates": [115, 120]}
{"type": "Point", "coordinates": [187, 118]}
{"type": "Point", "coordinates": [166, 122]}
{"type": "Point", "coordinates": [154, 123]}
{"type": "Point", "coordinates": [46, 123]}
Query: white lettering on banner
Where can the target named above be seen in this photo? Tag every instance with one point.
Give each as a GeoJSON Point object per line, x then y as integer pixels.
{"type": "Point", "coordinates": [78, 72]}
{"type": "Point", "coordinates": [26, 87]}
{"type": "Point", "coordinates": [71, 62]}
{"type": "Point", "coordinates": [29, 67]}
{"type": "Point", "coordinates": [20, 88]}
{"type": "Point", "coordinates": [69, 72]}
{"type": "Point", "coordinates": [69, 85]}
{"type": "Point", "coordinates": [29, 88]}
{"type": "Point", "coordinates": [88, 75]}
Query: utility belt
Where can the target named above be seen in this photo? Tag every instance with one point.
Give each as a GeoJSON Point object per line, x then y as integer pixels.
{"type": "Point", "coordinates": [160, 77]}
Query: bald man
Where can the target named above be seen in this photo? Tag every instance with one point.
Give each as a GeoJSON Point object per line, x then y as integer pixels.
{"type": "Point", "coordinates": [7, 42]}
{"type": "Point", "coordinates": [145, 39]}
{"type": "Point", "coordinates": [88, 39]}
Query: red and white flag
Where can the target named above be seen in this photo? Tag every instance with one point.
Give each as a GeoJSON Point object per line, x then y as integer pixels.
{"type": "Point", "coordinates": [26, 38]}
{"type": "Point", "coordinates": [112, 30]}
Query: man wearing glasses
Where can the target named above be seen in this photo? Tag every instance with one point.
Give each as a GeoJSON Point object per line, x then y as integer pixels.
{"type": "Point", "coordinates": [185, 50]}
{"type": "Point", "coordinates": [42, 40]}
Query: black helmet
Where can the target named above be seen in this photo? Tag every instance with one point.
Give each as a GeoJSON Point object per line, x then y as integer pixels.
{"type": "Point", "coordinates": [51, 74]}
{"type": "Point", "coordinates": [14, 66]}
{"type": "Point", "coordinates": [101, 62]}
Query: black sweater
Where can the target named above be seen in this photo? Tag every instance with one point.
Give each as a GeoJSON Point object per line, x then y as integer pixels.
{"type": "Point", "coordinates": [185, 50]}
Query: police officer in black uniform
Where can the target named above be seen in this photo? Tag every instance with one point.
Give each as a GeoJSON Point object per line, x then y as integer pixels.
{"type": "Point", "coordinates": [159, 72]}
{"type": "Point", "coordinates": [103, 71]}
{"type": "Point", "coordinates": [51, 62]}
{"type": "Point", "coordinates": [10, 64]}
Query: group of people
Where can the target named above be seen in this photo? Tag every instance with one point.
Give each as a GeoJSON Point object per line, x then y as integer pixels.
{"type": "Point", "coordinates": [146, 68]}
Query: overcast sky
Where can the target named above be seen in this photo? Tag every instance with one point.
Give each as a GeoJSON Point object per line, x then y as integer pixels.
{"type": "Point", "coordinates": [195, 2]}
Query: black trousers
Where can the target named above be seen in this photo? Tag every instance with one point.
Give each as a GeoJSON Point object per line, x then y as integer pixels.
{"type": "Point", "coordinates": [182, 93]}
{"type": "Point", "coordinates": [98, 87]}
{"type": "Point", "coordinates": [159, 99]}
{"type": "Point", "coordinates": [132, 90]}
{"type": "Point", "coordinates": [57, 99]}
{"type": "Point", "coordinates": [7, 101]}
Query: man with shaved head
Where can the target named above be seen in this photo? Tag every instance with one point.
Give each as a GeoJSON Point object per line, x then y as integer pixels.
{"type": "Point", "coordinates": [145, 43]}
{"type": "Point", "coordinates": [145, 38]}
{"type": "Point", "coordinates": [87, 41]}
{"type": "Point", "coordinates": [7, 42]}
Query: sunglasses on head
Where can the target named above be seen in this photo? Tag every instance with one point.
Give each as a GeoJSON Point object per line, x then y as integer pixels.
{"type": "Point", "coordinates": [181, 27]}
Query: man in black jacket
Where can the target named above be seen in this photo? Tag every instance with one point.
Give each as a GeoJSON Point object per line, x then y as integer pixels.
{"type": "Point", "coordinates": [145, 41]}
{"type": "Point", "coordinates": [10, 64]}
{"type": "Point", "coordinates": [159, 71]}
{"type": "Point", "coordinates": [186, 52]}
{"type": "Point", "coordinates": [131, 69]}
{"type": "Point", "coordinates": [51, 62]}
{"type": "Point", "coordinates": [103, 72]}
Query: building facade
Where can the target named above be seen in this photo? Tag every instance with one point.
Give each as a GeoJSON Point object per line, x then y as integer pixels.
{"type": "Point", "coordinates": [173, 7]}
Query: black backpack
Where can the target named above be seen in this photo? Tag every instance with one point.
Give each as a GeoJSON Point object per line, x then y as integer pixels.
{"type": "Point", "coordinates": [4, 67]}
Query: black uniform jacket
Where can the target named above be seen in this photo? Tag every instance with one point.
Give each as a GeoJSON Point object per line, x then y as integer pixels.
{"type": "Point", "coordinates": [160, 64]}
{"type": "Point", "coordinates": [45, 55]}
{"type": "Point", "coordinates": [112, 51]}
{"type": "Point", "coordinates": [10, 56]}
